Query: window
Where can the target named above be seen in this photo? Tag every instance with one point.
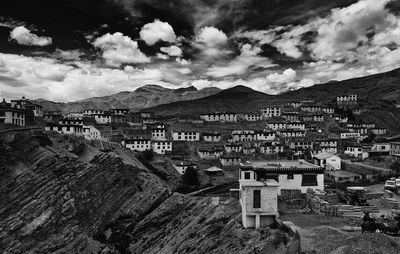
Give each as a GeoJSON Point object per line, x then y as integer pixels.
{"type": "Point", "coordinates": [290, 176]}
{"type": "Point", "coordinates": [246, 175]}
{"type": "Point", "coordinates": [309, 180]}
{"type": "Point", "coordinates": [257, 199]}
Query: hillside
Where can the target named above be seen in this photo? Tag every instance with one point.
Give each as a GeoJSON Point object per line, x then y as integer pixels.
{"type": "Point", "coordinates": [59, 195]}
{"type": "Point", "coordinates": [143, 97]}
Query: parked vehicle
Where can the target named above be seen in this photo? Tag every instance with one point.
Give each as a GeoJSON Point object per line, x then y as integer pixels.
{"type": "Point", "coordinates": [397, 183]}
{"type": "Point", "coordinates": [390, 185]}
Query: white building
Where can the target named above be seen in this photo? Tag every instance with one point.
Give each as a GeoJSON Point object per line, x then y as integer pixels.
{"type": "Point", "coordinates": [328, 161]}
{"type": "Point", "coordinates": [395, 148]}
{"type": "Point", "coordinates": [318, 118]}
{"type": "Point", "coordinates": [10, 115]}
{"type": "Point", "coordinates": [310, 108]}
{"type": "Point", "coordinates": [182, 166]}
{"type": "Point", "coordinates": [292, 133]}
{"type": "Point", "coordinates": [350, 99]}
{"type": "Point", "coordinates": [91, 133]}
{"type": "Point", "coordinates": [120, 111]}
{"type": "Point", "coordinates": [275, 125]}
{"type": "Point", "coordinates": [380, 148]}
{"type": "Point", "coordinates": [233, 148]}
{"type": "Point", "coordinates": [379, 131]}
{"type": "Point", "coordinates": [211, 136]}
{"type": "Point", "coordinates": [271, 148]}
{"type": "Point", "coordinates": [185, 136]}
{"type": "Point", "coordinates": [161, 146]}
{"type": "Point", "coordinates": [265, 135]}
{"type": "Point", "coordinates": [228, 160]}
{"type": "Point", "coordinates": [252, 117]}
{"type": "Point", "coordinates": [356, 151]}
{"type": "Point", "coordinates": [328, 110]}
{"type": "Point", "coordinates": [350, 135]}
{"type": "Point", "coordinates": [102, 118]}
{"type": "Point", "coordinates": [89, 112]}
{"type": "Point", "coordinates": [158, 133]}
{"type": "Point", "coordinates": [291, 175]}
{"type": "Point", "coordinates": [296, 126]}
{"type": "Point", "coordinates": [137, 144]}
{"type": "Point", "coordinates": [328, 145]}
{"type": "Point", "coordinates": [244, 135]}
{"type": "Point", "coordinates": [269, 112]}
{"type": "Point", "coordinates": [219, 117]}
{"type": "Point", "coordinates": [290, 116]}
{"type": "Point", "coordinates": [210, 153]}
{"type": "Point", "coordinates": [68, 129]}
{"type": "Point", "coordinates": [258, 199]}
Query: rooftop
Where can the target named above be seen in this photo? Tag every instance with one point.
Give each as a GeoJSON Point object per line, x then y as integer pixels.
{"type": "Point", "coordinates": [299, 164]}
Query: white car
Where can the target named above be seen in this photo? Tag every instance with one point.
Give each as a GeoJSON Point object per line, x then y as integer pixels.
{"type": "Point", "coordinates": [390, 185]}
{"type": "Point", "coordinates": [397, 183]}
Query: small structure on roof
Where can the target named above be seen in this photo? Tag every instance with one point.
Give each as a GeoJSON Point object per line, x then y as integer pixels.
{"type": "Point", "coordinates": [214, 171]}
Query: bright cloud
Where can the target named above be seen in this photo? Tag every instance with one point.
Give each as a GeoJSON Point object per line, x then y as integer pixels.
{"type": "Point", "coordinates": [288, 76]}
{"type": "Point", "coordinates": [157, 31]}
{"type": "Point", "coordinates": [118, 49]}
{"type": "Point", "coordinates": [171, 50]}
{"type": "Point", "coordinates": [212, 37]}
{"type": "Point", "coordinates": [24, 36]}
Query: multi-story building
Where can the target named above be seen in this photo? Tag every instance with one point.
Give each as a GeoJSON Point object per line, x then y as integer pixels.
{"type": "Point", "coordinates": [258, 199]}
{"type": "Point", "coordinates": [219, 117]}
{"type": "Point", "coordinates": [211, 136]}
{"type": "Point", "coordinates": [328, 110]}
{"type": "Point", "coordinates": [233, 148]}
{"type": "Point", "coordinates": [346, 100]}
{"type": "Point", "coordinates": [265, 135]}
{"type": "Point", "coordinates": [310, 108]}
{"type": "Point", "coordinates": [137, 144]}
{"type": "Point", "coordinates": [210, 153]}
{"type": "Point", "coordinates": [161, 146]}
{"type": "Point", "coordinates": [14, 116]}
{"type": "Point", "coordinates": [28, 105]}
{"type": "Point", "coordinates": [269, 112]}
{"type": "Point", "coordinates": [356, 151]}
{"type": "Point", "coordinates": [327, 145]}
{"type": "Point", "coordinates": [90, 112]}
{"type": "Point", "coordinates": [158, 132]}
{"type": "Point", "coordinates": [296, 126]}
{"type": "Point", "coordinates": [230, 160]}
{"type": "Point", "coordinates": [91, 133]}
{"type": "Point", "coordinates": [119, 111]}
{"type": "Point", "coordinates": [68, 129]}
{"type": "Point", "coordinates": [290, 175]}
{"type": "Point", "coordinates": [244, 135]}
{"type": "Point", "coordinates": [300, 144]}
{"type": "Point", "coordinates": [102, 118]}
{"type": "Point", "coordinates": [292, 133]}
{"type": "Point", "coordinates": [291, 116]}
{"type": "Point", "coordinates": [395, 148]}
{"type": "Point", "coordinates": [185, 136]}
{"type": "Point", "coordinates": [271, 148]}
{"type": "Point", "coordinates": [275, 125]}
{"type": "Point", "coordinates": [379, 131]}
{"type": "Point", "coordinates": [252, 117]}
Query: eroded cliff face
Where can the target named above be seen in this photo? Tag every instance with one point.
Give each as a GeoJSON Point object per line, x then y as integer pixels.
{"type": "Point", "coordinates": [52, 202]}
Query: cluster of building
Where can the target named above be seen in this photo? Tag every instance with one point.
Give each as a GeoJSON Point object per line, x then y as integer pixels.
{"type": "Point", "coordinates": [19, 112]}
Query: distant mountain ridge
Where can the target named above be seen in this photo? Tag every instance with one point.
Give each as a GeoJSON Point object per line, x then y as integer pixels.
{"type": "Point", "coordinates": [143, 97]}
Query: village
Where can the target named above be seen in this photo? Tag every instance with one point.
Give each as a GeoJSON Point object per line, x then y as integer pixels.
{"type": "Point", "coordinates": [283, 160]}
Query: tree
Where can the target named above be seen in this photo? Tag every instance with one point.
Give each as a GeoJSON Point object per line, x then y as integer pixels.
{"type": "Point", "coordinates": [148, 155]}
{"type": "Point", "coordinates": [191, 177]}
{"type": "Point", "coordinates": [395, 167]}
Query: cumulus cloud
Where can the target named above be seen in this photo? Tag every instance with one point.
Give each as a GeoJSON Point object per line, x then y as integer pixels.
{"type": "Point", "coordinates": [182, 61]}
{"type": "Point", "coordinates": [24, 36]}
{"type": "Point", "coordinates": [157, 31]}
{"type": "Point", "coordinates": [118, 49]}
{"type": "Point", "coordinates": [250, 50]}
{"type": "Point", "coordinates": [171, 50]}
{"type": "Point", "coordinates": [288, 76]}
{"type": "Point", "coordinates": [212, 37]}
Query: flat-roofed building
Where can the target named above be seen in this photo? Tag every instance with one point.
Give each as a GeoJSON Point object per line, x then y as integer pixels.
{"type": "Point", "coordinates": [269, 112]}
{"type": "Point", "coordinates": [290, 175]}
{"type": "Point", "coordinates": [219, 117]}
{"type": "Point", "coordinates": [185, 136]}
{"type": "Point", "coordinates": [137, 144]}
{"type": "Point", "coordinates": [161, 146]}
{"type": "Point", "coordinates": [211, 136]}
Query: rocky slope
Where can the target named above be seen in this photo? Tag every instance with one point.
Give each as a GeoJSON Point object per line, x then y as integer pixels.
{"type": "Point", "coordinates": [143, 97]}
{"type": "Point", "coordinates": [59, 195]}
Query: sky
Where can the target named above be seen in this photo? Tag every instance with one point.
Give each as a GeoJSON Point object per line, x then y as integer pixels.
{"type": "Point", "coordinates": [68, 50]}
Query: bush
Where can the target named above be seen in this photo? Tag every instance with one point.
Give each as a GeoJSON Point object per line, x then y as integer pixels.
{"type": "Point", "coordinates": [191, 177]}
{"type": "Point", "coordinates": [148, 155]}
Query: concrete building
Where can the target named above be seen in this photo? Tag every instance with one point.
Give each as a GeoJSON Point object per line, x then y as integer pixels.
{"type": "Point", "coordinates": [328, 145]}
{"type": "Point", "coordinates": [252, 117]}
{"type": "Point", "coordinates": [269, 112]}
{"type": "Point", "coordinates": [137, 144]}
{"type": "Point", "coordinates": [102, 118]}
{"type": "Point", "coordinates": [219, 117]}
{"type": "Point", "coordinates": [161, 146]}
{"type": "Point", "coordinates": [185, 136]}
{"type": "Point", "coordinates": [271, 148]}
{"type": "Point", "coordinates": [292, 133]}
{"type": "Point", "coordinates": [210, 153]}
{"type": "Point", "coordinates": [52, 116]}
{"type": "Point", "coordinates": [68, 129]}
{"type": "Point", "coordinates": [290, 175]}
{"type": "Point", "coordinates": [301, 144]}
{"type": "Point", "coordinates": [296, 126]}
{"type": "Point", "coordinates": [328, 161]}
{"type": "Point", "coordinates": [91, 133]}
{"type": "Point", "coordinates": [311, 108]}
{"type": "Point", "coordinates": [119, 111]}
{"type": "Point", "coordinates": [341, 176]}
{"type": "Point", "coordinates": [90, 112]}
{"type": "Point", "coordinates": [233, 148]}
{"type": "Point", "coordinates": [244, 135]}
{"type": "Point", "coordinates": [14, 116]}
{"type": "Point", "coordinates": [291, 116]}
{"type": "Point", "coordinates": [258, 199]}
{"type": "Point", "coordinates": [346, 100]}
{"type": "Point", "coordinates": [158, 132]}
{"type": "Point", "coordinates": [28, 105]}
{"type": "Point", "coordinates": [265, 135]}
{"type": "Point", "coordinates": [328, 110]}
{"type": "Point", "coordinates": [380, 149]}
{"type": "Point", "coordinates": [318, 118]}
{"type": "Point", "coordinates": [350, 135]}
{"type": "Point", "coordinates": [230, 160]}
{"type": "Point", "coordinates": [356, 151]}
{"type": "Point", "coordinates": [275, 125]}
{"type": "Point", "coordinates": [211, 136]}
{"type": "Point", "coordinates": [379, 131]}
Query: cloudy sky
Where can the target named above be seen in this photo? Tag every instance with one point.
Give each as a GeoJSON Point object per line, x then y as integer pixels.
{"type": "Point", "coordinates": [67, 50]}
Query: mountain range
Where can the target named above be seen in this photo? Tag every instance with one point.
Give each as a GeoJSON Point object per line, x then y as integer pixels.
{"type": "Point", "coordinates": [143, 97]}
